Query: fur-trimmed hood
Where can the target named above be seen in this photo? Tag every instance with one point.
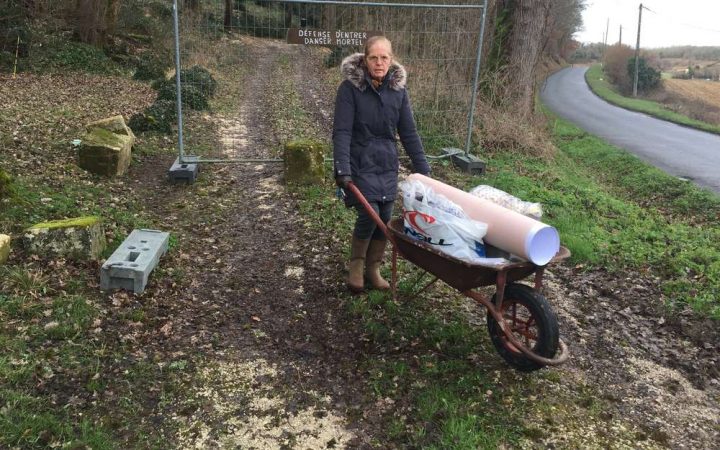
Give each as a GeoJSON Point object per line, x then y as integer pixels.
{"type": "Point", "coordinates": [354, 70]}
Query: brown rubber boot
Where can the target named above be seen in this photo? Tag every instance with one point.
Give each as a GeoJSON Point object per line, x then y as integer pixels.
{"type": "Point", "coordinates": [355, 281]}
{"type": "Point", "coordinates": [375, 253]}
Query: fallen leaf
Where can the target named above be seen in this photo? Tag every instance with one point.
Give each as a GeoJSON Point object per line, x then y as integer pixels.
{"type": "Point", "coordinates": [165, 329]}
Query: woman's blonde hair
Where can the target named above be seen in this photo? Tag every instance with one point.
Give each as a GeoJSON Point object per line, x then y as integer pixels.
{"type": "Point", "coordinates": [374, 40]}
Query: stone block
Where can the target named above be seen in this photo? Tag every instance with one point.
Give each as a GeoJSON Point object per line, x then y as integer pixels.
{"type": "Point", "coordinates": [106, 147]}
{"type": "Point", "coordinates": [130, 264]}
{"type": "Point", "coordinates": [103, 152]}
{"type": "Point", "coordinates": [4, 248]}
{"type": "Point", "coordinates": [304, 162]}
{"type": "Point", "coordinates": [81, 238]}
{"type": "Point", "coordinates": [114, 124]}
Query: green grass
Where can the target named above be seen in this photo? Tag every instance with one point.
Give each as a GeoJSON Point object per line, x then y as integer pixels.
{"type": "Point", "coordinates": [615, 212]}
{"type": "Point", "coordinates": [42, 334]}
{"type": "Point", "coordinates": [59, 383]}
{"type": "Point", "coordinates": [602, 88]}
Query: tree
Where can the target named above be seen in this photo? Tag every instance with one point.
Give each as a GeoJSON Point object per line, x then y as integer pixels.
{"type": "Point", "coordinates": [95, 20]}
{"type": "Point", "coordinates": [227, 22]}
{"type": "Point", "coordinates": [648, 77]}
{"type": "Point", "coordinates": [90, 21]}
{"type": "Point", "coordinates": [565, 21]}
{"type": "Point", "coordinates": [521, 31]}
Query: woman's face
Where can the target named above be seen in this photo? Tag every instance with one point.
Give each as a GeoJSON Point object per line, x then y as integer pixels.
{"type": "Point", "coordinates": [378, 60]}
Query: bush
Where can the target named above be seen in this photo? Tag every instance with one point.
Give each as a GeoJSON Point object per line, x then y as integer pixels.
{"type": "Point", "coordinates": [149, 67]}
{"type": "Point", "coordinates": [160, 116]}
{"type": "Point", "coordinates": [648, 77]}
{"type": "Point", "coordinates": [615, 66]}
{"type": "Point", "coordinates": [192, 97]}
{"type": "Point", "coordinates": [200, 78]}
{"type": "Point", "coordinates": [58, 53]}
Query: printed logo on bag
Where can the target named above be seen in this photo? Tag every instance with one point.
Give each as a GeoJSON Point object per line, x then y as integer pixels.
{"type": "Point", "coordinates": [418, 233]}
{"type": "Point", "coordinates": [411, 216]}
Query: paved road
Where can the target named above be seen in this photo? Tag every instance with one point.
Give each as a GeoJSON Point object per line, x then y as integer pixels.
{"type": "Point", "coordinates": [679, 151]}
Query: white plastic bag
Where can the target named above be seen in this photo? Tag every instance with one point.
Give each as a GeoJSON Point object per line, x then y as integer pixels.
{"type": "Point", "coordinates": [508, 201]}
{"type": "Point", "coordinates": [435, 220]}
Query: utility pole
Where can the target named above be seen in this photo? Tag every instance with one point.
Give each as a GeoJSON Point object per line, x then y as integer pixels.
{"type": "Point", "coordinates": [620, 41]}
{"type": "Point", "coordinates": [607, 31]}
{"type": "Point", "coordinates": [637, 54]}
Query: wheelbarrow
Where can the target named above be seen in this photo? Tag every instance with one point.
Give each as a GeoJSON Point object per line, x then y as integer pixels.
{"type": "Point", "coordinates": [521, 323]}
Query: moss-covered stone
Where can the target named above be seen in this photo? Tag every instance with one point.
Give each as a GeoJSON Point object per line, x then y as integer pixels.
{"type": "Point", "coordinates": [4, 248]}
{"type": "Point", "coordinates": [85, 221]}
{"type": "Point", "coordinates": [304, 161]}
{"type": "Point", "coordinates": [104, 152]}
{"type": "Point", "coordinates": [80, 238]}
{"type": "Point", "coordinates": [114, 124]}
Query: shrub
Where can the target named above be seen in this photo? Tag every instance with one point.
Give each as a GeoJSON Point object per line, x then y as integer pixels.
{"type": "Point", "coordinates": [615, 66]}
{"type": "Point", "coordinates": [648, 77]}
{"type": "Point", "coordinates": [200, 78]}
{"type": "Point", "coordinates": [149, 67]}
{"type": "Point", "coordinates": [160, 116]}
{"type": "Point", "coordinates": [192, 97]}
{"type": "Point", "coordinates": [58, 53]}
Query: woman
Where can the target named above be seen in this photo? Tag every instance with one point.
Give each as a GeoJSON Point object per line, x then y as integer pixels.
{"type": "Point", "coordinates": [371, 108]}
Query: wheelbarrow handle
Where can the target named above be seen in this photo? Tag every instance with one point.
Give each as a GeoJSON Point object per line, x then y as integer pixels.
{"type": "Point", "coordinates": [375, 217]}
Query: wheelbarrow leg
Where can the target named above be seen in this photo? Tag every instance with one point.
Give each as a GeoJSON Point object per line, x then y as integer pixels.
{"type": "Point", "coordinates": [500, 282]}
{"type": "Point", "coordinates": [539, 278]}
{"type": "Point", "coordinates": [394, 272]}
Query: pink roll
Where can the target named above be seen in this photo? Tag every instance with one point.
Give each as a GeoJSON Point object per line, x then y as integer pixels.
{"type": "Point", "coordinates": [507, 230]}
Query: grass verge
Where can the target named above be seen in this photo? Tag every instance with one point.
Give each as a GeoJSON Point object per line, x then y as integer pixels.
{"type": "Point", "coordinates": [615, 212]}
{"type": "Point", "coordinates": [603, 89]}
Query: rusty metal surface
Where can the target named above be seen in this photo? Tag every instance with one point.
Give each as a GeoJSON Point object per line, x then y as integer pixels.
{"type": "Point", "coordinates": [457, 273]}
{"type": "Point", "coordinates": [556, 361]}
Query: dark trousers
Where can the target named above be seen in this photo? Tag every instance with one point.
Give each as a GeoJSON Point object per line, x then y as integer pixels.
{"type": "Point", "coordinates": [365, 227]}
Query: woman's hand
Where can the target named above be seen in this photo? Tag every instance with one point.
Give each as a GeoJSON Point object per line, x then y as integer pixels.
{"type": "Point", "coordinates": [343, 181]}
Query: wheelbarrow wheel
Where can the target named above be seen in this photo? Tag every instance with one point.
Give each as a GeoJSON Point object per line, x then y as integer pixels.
{"type": "Point", "coordinates": [533, 323]}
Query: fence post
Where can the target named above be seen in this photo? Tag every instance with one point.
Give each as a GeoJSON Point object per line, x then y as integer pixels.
{"type": "Point", "coordinates": [176, 29]}
{"type": "Point", "coordinates": [476, 77]}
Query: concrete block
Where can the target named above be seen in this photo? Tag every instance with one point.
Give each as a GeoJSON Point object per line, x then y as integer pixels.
{"type": "Point", "coordinates": [4, 248]}
{"type": "Point", "coordinates": [466, 163]}
{"type": "Point", "coordinates": [186, 171]}
{"type": "Point", "coordinates": [130, 264]}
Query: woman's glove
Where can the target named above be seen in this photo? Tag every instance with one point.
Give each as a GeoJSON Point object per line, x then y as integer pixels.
{"type": "Point", "coordinates": [343, 181]}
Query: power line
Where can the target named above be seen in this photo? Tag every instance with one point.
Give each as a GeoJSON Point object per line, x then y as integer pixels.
{"type": "Point", "coordinates": [697, 27]}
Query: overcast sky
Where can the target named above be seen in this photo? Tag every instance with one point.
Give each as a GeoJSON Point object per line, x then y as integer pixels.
{"type": "Point", "coordinates": [668, 23]}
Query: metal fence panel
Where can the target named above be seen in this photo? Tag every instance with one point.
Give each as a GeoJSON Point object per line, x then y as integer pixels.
{"type": "Point", "coordinates": [270, 91]}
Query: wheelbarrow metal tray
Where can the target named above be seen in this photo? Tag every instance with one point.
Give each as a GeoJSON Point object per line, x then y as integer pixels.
{"type": "Point", "coordinates": [459, 274]}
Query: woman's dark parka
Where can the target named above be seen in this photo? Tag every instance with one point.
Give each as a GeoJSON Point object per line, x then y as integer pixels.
{"type": "Point", "coordinates": [367, 121]}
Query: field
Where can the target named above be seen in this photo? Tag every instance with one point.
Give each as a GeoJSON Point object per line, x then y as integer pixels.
{"type": "Point", "coordinates": [698, 99]}
{"type": "Point", "coordinates": [702, 90]}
